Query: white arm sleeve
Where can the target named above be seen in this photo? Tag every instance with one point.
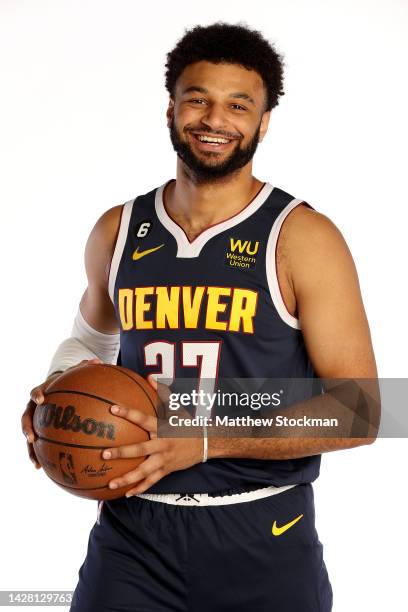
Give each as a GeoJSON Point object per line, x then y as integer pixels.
{"type": "Point", "coordinates": [85, 343]}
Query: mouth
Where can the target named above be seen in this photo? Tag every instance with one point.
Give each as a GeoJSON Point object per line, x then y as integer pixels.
{"type": "Point", "coordinates": [212, 143]}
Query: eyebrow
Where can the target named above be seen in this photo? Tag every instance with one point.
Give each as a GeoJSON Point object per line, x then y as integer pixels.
{"type": "Point", "coordinates": [237, 94]}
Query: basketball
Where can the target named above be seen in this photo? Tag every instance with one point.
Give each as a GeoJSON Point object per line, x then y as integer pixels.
{"type": "Point", "coordinates": [74, 425]}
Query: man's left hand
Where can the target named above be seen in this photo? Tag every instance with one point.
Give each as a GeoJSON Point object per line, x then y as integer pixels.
{"type": "Point", "coordinates": [166, 455]}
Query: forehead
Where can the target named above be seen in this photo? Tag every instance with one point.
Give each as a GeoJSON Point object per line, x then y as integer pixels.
{"type": "Point", "coordinates": [222, 79]}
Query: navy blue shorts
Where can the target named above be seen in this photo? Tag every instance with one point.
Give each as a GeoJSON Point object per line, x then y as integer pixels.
{"type": "Point", "coordinates": [148, 556]}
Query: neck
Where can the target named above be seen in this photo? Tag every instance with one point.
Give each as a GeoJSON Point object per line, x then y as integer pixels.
{"type": "Point", "coordinates": [197, 206]}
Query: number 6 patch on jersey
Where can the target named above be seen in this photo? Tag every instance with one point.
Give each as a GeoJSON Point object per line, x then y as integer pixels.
{"type": "Point", "coordinates": [143, 229]}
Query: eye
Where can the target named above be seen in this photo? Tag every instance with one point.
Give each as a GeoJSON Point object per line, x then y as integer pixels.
{"type": "Point", "coordinates": [239, 106]}
{"type": "Point", "coordinates": [197, 100]}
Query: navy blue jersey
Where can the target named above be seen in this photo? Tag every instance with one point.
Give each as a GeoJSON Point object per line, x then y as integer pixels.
{"type": "Point", "coordinates": [209, 308]}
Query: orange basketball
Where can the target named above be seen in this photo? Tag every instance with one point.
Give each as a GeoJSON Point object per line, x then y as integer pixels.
{"type": "Point", "coordinates": [74, 425]}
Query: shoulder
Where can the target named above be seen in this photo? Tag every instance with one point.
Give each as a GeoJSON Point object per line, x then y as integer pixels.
{"type": "Point", "coordinates": [302, 218]}
{"type": "Point", "coordinates": [105, 231]}
{"type": "Point", "coordinates": [107, 225]}
{"type": "Point", "coordinates": [304, 227]}
{"type": "Point", "coordinates": [101, 243]}
{"type": "Point", "coordinates": [311, 243]}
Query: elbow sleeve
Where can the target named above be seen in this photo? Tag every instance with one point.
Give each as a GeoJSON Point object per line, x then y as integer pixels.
{"type": "Point", "coordinates": [85, 342]}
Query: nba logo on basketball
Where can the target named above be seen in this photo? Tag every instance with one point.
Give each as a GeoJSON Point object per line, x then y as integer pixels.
{"type": "Point", "coordinates": [67, 468]}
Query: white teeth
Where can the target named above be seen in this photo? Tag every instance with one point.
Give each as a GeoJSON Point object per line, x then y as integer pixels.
{"type": "Point", "coordinates": [211, 139]}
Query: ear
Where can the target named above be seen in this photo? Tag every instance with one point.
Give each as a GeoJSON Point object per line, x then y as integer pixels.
{"type": "Point", "coordinates": [264, 125]}
{"type": "Point", "coordinates": [170, 112]}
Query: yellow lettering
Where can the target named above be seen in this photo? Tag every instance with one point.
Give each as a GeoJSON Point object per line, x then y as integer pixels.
{"type": "Point", "coordinates": [164, 305]}
{"type": "Point", "coordinates": [142, 306]}
{"type": "Point", "coordinates": [237, 244]}
{"type": "Point", "coordinates": [254, 250]}
{"type": "Point", "coordinates": [191, 306]}
{"type": "Point", "coordinates": [167, 308]}
{"type": "Point", "coordinates": [214, 306]}
{"type": "Point", "coordinates": [125, 299]}
{"type": "Point", "coordinates": [243, 309]}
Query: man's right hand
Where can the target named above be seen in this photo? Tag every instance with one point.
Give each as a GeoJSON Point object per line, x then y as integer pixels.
{"type": "Point", "coordinates": [37, 397]}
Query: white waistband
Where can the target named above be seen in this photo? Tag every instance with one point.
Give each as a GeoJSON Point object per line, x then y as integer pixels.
{"type": "Point", "coordinates": [203, 499]}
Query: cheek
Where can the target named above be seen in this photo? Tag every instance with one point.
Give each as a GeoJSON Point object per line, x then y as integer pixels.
{"type": "Point", "coordinates": [246, 138]}
{"type": "Point", "coordinates": [186, 115]}
{"type": "Point", "coordinates": [249, 131]}
{"type": "Point", "coordinates": [244, 125]}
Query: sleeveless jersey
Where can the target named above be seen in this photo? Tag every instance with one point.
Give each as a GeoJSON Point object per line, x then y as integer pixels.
{"type": "Point", "coordinates": [213, 307]}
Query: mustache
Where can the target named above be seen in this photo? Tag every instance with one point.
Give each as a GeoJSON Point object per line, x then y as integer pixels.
{"type": "Point", "coordinates": [215, 133]}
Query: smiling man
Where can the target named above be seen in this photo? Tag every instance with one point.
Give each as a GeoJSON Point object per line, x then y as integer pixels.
{"type": "Point", "coordinates": [210, 276]}
{"type": "Point", "coordinates": [202, 147]}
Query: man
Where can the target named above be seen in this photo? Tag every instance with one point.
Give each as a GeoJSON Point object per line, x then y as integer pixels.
{"type": "Point", "coordinates": [219, 274]}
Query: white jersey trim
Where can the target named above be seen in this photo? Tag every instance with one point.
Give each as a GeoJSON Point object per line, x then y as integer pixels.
{"type": "Point", "coordinates": [119, 246]}
{"type": "Point", "coordinates": [193, 249]}
{"type": "Point", "coordinates": [271, 274]}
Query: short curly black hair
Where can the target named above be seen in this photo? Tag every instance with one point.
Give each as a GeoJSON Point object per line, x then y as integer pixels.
{"type": "Point", "coordinates": [228, 43]}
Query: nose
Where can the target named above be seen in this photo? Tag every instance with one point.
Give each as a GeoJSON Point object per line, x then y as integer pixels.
{"type": "Point", "coordinates": [214, 117]}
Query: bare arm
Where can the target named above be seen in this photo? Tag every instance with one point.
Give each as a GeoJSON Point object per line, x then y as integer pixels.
{"type": "Point", "coordinates": [321, 271]}
{"type": "Point", "coordinates": [330, 306]}
{"type": "Point", "coordinates": [95, 305]}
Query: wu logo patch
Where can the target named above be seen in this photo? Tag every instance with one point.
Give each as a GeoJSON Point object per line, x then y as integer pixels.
{"type": "Point", "coordinates": [244, 246]}
{"type": "Point", "coordinates": [241, 254]}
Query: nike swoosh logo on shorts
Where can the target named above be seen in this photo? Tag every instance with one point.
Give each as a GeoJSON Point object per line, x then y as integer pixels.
{"type": "Point", "coordinates": [277, 531]}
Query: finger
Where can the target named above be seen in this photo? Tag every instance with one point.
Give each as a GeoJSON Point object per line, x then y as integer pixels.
{"type": "Point", "coordinates": [27, 421]}
{"type": "Point", "coordinates": [145, 421]}
{"type": "Point", "coordinates": [84, 362]}
{"type": "Point", "coordinates": [33, 456]}
{"type": "Point", "coordinates": [164, 392]}
{"type": "Point", "coordinates": [29, 434]}
{"type": "Point", "coordinates": [93, 360]}
{"type": "Point", "coordinates": [37, 395]}
{"type": "Point", "coordinates": [146, 483]}
{"type": "Point", "coordinates": [135, 450]}
{"type": "Point", "coordinates": [151, 464]}
{"type": "Point", "coordinates": [152, 381]}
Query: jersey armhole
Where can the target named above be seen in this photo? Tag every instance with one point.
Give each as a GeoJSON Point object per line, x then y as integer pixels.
{"type": "Point", "coordinates": [119, 246]}
{"type": "Point", "coordinates": [271, 268]}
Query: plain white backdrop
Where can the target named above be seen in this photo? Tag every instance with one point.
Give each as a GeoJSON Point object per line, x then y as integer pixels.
{"type": "Point", "coordinates": [82, 112]}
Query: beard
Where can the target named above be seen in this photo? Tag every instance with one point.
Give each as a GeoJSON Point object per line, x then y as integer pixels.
{"type": "Point", "coordinates": [203, 171]}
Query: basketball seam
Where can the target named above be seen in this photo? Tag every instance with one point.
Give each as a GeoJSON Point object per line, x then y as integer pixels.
{"type": "Point", "coordinates": [61, 443]}
{"type": "Point", "coordinates": [77, 488]}
{"type": "Point", "coordinates": [109, 365]}
{"type": "Point", "coordinates": [98, 397]}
